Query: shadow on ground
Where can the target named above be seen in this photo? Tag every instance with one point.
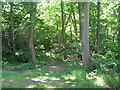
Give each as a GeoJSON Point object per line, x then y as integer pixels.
{"type": "Point", "coordinates": [52, 76]}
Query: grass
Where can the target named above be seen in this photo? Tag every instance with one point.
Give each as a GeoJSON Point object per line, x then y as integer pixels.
{"type": "Point", "coordinates": [43, 77]}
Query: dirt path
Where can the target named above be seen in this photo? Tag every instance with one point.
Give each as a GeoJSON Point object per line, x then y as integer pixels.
{"type": "Point", "coordinates": [53, 76]}
{"type": "Point", "coordinates": [47, 77]}
{"type": "Point", "coordinates": [57, 67]}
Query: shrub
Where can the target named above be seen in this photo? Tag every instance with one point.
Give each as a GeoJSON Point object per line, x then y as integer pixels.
{"type": "Point", "coordinates": [105, 62]}
{"type": "Point", "coordinates": [112, 81]}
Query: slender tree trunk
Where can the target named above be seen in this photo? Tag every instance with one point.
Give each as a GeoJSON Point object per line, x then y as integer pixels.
{"type": "Point", "coordinates": [80, 20]}
{"type": "Point", "coordinates": [119, 44]}
{"type": "Point", "coordinates": [1, 41]}
{"type": "Point", "coordinates": [11, 26]}
{"type": "Point", "coordinates": [118, 32]}
{"type": "Point", "coordinates": [107, 31]}
{"type": "Point", "coordinates": [31, 45]}
{"type": "Point", "coordinates": [97, 50]}
{"type": "Point", "coordinates": [68, 19]}
{"type": "Point", "coordinates": [1, 44]}
{"type": "Point", "coordinates": [75, 26]}
{"type": "Point", "coordinates": [57, 27]}
{"type": "Point", "coordinates": [85, 37]}
{"type": "Point", "coordinates": [63, 27]}
{"type": "Point", "coordinates": [74, 22]}
{"type": "Point", "coordinates": [70, 34]}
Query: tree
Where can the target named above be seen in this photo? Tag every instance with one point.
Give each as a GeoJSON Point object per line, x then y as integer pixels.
{"type": "Point", "coordinates": [74, 21]}
{"type": "Point", "coordinates": [31, 45]}
{"type": "Point", "coordinates": [80, 19]}
{"type": "Point", "coordinates": [85, 37]}
{"type": "Point", "coordinates": [70, 34]}
{"type": "Point", "coordinates": [12, 27]}
{"type": "Point", "coordinates": [0, 35]}
{"type": "Point", "coordinates": [63, 27]}
{"type": "Point", "coordinates": [118, 36]}
{"type": "Point", "coordinates": [98, 28]}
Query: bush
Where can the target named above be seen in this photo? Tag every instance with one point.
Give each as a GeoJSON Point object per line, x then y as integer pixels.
{"type": "Point", "coordinates": [5, 64]}
{"type": "Point", "coordinates": [23, 55]}
{"type": "Point", "coordinates": [22, 66]}
{"type": "Point", "coordinates": [112, 81]}
{"type": "Point", "coordinates": [106, 63]}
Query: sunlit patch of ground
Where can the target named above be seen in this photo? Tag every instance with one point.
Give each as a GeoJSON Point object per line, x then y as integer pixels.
{"type": "Point", "coordinates": [53, 76]}
{"type": "Point", "coordinates": [100, 82]}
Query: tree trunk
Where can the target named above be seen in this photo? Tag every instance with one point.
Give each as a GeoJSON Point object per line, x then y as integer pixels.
{"type": "Point", "coordinates": [119, 44]}
{"type": "Point", "coordinates": [1, 41]}
{"type": "Point", "coordinates": [85, 37]}
{"type": "Point", "coordinates": [47, 45]}
{"type": "Point", "coordinates": [70, 34]}
{"type": "Point", "coordinates": [98, 28]}
{"type": "Point", "coordinates": [63, 27]}
{"type": "Point", "coordinates": [57, 27]}
{"type": "Point", "coordinates": [75, 26]}
{"type": "Point", "coordinates": [74, 22]}
{"type": "Point", "coordinates": [118, 32]}
{"type": "Point", "coordinates": [12, 27]}
{"type": "Point", "coordinates": [1, 44]}
{"type": "Point", "coordinates": [80, 20]}
{"type": "Point", "coordinates": [31, 45]}
{"type": "Point", "coordinates": [68, 19]}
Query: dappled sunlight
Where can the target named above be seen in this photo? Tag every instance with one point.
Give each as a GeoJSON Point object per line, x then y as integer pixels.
{"type": "Point", "coordinates": [46, 73]}
{"type": "Point", "coordinates": [68, 82]}
{"type": "Point", "coordinates": [38, 80]}
{"type": "Point", "coordinates": [100, 82]}
{"type": "Point", "coordinates": [72, 77]}
{"type": "Point", "coordinates": [11, 80]}
{"type": "Point", "coordinates": [49, 86]}
{"type": "Point", "coordinates": [8, 81]}
{"type": "Point", "coordinates": [69, 77]}
{"type": "Point", "coordinates": [31, 86]}
{"type": "Point", "coordinates": [38, 69]}
{"type": "Point", "coordinates": [27, 77]}
{"type": "Point", "coordinates": [54, 79]}
{"type": "Point", "coordinates": [51, 72]}
{"type": "Point", "coordinates": [73, 85]}
{"type": "Point", "coordinates": [50, 54]}
{"type": "Point", "coordinates": [52, 67]}
{"type": "Point", "coordinates": [60, 44]}
{"type": "Point", "coordinates": [45, 79]}
{"type": "Point", "coordinates": [91, 75]}
{"type": "Point", "coordinates": [41, 77]}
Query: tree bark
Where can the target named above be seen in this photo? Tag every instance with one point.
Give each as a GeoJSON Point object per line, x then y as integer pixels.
{"type": "Point", "coordinates": [63, 27]}
{"type": "Point", "coordinates": [68, 19]}
{"type": "Point", "coordinates": [70, 34]}
{"type": "Point", "coordinates": [80, 20]}
{"type": "Point", "coordinates": [74, 22]}
{"type": "Point", "coordinates": [31, 45]}
{"type": "Point", "coordinates": [12, 27]}
{"type": "Point", "coordinates": [1, 44]}
{"type": "Point", "coordinates": [85, 37]}
{"type": "Point", "coordinates": [118, 32]}
{"type": "Point", "coordinates": [97, 50]}
{"type": "Point", "coordinates": [75, 26]}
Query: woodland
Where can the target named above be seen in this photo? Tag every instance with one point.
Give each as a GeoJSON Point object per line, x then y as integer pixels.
{"type": "Point", "coordinates": [60, 44]}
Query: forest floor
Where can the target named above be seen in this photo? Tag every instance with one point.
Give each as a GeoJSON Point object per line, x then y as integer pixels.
{"type": "Point", "coordinates": [57, 75]}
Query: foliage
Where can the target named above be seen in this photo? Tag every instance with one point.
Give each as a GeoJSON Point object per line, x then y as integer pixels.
{"type": "Point", "coordinates": [19, 67]}
{"type": "Point", "coordinates": [113, 81]}
{"type": "Point", "coordinates": [105, 63]}
{"type": "Point", "coordinates": [47, 40]}
{"type": "Point", "coordinates": [72, 78]}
